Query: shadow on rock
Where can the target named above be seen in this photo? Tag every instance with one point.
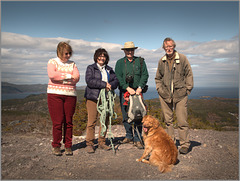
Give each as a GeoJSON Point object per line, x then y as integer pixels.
{"type": "Point", "coordinates": [116, 143]}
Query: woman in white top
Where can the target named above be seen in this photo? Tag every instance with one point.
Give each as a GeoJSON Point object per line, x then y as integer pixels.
{"type": "Point", "coordinates": [63, 75]}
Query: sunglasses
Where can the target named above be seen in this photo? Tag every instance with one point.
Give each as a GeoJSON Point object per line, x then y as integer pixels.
{"type": "Point", "coordinates": [70, 53]}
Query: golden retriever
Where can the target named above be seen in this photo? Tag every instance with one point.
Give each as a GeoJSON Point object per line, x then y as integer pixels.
{"type": "Point", "coordinates": [158, 144]}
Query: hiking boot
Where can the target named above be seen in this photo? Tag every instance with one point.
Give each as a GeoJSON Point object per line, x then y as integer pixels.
{"type": "Point", "coordinates": [183, 150]}
{"type": "Point", "coordinates": [68, 152]}
{"type": "Point", "coordinates": [90, 149]}
{"type": "Point", "coordinates": [126, 140]}
{"type": "Point", "coordinates": [104, 147]}
{"type": "Point", "coordinates": [138, 145]}
{"type": "Point", "coordinates": [56, 151]}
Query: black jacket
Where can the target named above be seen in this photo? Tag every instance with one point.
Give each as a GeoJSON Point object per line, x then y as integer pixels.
{"type": "Point", "coordinates": [94, 81]}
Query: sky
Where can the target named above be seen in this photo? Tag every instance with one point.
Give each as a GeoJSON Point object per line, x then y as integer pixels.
{"type": "Point", "coordinates": [207, 32]}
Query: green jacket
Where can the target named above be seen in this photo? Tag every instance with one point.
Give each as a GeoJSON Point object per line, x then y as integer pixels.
{"type": "Point", "coordinates": [125, 67]}
{"type": "Point", "coordinates": [177, 83]}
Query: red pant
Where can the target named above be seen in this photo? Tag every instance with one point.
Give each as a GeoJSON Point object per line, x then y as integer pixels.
{"type": "Point", "coordinates": [61, 109]}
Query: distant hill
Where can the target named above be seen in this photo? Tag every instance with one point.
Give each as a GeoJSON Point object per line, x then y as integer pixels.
{"type": "Point", "coordinates": [8, 88]}
{"type": "Point", "coordinates": [14, 88]}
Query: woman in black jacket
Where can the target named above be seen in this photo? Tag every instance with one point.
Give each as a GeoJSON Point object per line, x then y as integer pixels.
{"type": "Point", "coordinates": [98, 76]}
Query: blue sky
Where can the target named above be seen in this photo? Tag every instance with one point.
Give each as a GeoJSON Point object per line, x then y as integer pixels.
{"type": "Point", "coordinates": [206, 32]}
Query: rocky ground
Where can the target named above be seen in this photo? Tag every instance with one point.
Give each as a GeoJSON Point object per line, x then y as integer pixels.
{"type": "Point", "coordinates": [214, 155]}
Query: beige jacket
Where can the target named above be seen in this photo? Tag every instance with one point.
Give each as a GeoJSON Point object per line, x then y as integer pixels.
{"type": "Point", "coordinates": [174, 85]}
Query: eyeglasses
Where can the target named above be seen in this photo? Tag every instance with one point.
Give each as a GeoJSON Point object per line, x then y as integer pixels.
{"type": "Point", "coordinates": [166, 47]}
{"type": "Point", "coordinates": [70, 53]}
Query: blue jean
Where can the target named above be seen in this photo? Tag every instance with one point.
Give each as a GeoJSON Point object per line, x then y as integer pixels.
{"type": "Point", "coordinates": [128, 126]}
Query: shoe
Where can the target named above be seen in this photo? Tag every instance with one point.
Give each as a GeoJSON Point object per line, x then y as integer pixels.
{"type": "Point", "coordinates": [105, 147]}
{"type": "Point", "coordinates": [183, 150]}
{"type": "Point", "coordinates": [126, 140]}
{"type": "Point", "coordinates": [90, 149]}
{"type": "Point", "coordinates": [138, 145]}
{"type": "Point", "coordinates": [56, 151]}
{"type": "Point", "coordinates": [68, 152]}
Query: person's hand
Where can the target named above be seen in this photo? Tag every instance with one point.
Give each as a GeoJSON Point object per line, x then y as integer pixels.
{"type": "Point", "coordinates": [108, 86]}
{"type": "Point", "coordinates": [126, 99]}
{"type": "Point", "coordinates": [138, 91]}
{"type": "Point", "coordinates": [131, 91]}
{"type": "Point", "coordinates": [73, 78]}
{"type": "Point", "coordinates": [68, 76]}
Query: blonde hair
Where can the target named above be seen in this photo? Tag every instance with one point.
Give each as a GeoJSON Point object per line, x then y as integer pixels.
{"type": "Point", "coordinates": [63, 46]}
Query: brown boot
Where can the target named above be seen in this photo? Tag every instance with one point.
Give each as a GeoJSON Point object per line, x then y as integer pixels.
{"type": "Point", "coordinates": [138, 145]}
{"type": "Point", "coordinates": [126, 140]}
{"type": "Point", "coordinates": [68, 152]}
{"type": "Point", "coordinates": [183, 150]}
{"type": "Point", "coordinates": [56, 151]}
{"type": "Point", "coordinates": [90, 149]}
{"type": "Point", "coordinates": [104, 147]}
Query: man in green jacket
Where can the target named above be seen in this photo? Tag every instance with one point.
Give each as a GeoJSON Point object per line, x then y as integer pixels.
{"type": "Point", "coordinates": [132, 74]}
{"type": "Point", "coordinates": [174, 82]}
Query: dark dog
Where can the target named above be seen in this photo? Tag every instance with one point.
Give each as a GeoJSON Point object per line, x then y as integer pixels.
{"type": "Point", "coordinates": [158, 144]}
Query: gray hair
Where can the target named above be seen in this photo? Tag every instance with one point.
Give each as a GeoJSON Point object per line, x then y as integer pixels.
{"type": "Point", "coordinates": [169, 39]}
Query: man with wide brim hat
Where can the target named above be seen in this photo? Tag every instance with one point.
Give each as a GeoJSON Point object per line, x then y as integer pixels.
{"type": "Point", "coordinates": [129, 45]}
{"type": "Point", "coordinates": [132, 74]}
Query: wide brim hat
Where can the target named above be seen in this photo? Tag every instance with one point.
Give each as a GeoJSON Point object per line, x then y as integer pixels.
{"type": "Point", "coordinates": [129, 45]}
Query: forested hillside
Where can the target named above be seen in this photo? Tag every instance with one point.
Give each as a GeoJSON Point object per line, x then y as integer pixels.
{"type": "Point", "coordinates": [31, 114]}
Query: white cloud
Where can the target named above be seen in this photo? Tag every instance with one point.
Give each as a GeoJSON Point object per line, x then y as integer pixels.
{"type": "Point", "coordinates": [24, 59]}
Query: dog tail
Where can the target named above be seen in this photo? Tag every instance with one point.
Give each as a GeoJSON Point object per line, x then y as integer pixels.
{"type": "Point", "coordinates": [164, 168]}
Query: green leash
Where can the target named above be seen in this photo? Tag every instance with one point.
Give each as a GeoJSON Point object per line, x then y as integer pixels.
{"type": "Point", "coordinates": [105, 107]}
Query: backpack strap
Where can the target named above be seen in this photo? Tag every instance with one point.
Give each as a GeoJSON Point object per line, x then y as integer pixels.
{"type": "Point", "coordinates": [141, 63]}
